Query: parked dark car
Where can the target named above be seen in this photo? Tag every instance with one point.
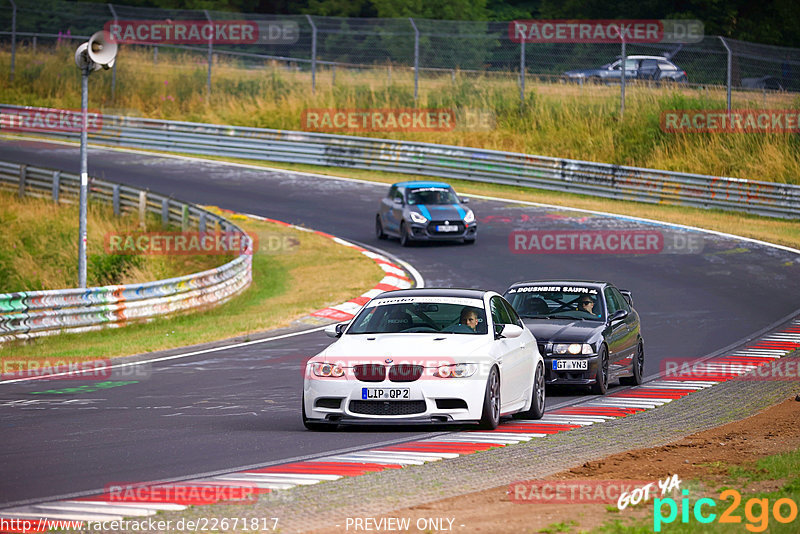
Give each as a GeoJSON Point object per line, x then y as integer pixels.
{"type": "Point", "coordinates": [582, 344]}
{"type": "Point", "coordinates": [425, 211]}
{"type": "Point", "coordinates": [657, 68]}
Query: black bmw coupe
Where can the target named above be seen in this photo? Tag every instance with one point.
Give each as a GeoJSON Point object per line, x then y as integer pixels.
{"type": "Point", "coordinates": [588, 332]}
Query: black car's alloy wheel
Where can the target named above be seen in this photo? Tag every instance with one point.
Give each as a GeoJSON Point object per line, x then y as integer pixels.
{"type": "Point", "coordinates": [637, 366]}
{"type": "Point", "coordinates": [601, 383]}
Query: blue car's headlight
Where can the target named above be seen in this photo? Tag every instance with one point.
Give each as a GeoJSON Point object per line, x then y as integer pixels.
{"type": "Point", "coordinates": [469, 217]}
{"type": "Point", "coordinates": [417, 218]}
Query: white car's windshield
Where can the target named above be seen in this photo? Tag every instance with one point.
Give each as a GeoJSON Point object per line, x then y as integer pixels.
{"type": "Point", "coordinates": [556, 302]}
{"type": "Point", "coordinates": [420, 315]}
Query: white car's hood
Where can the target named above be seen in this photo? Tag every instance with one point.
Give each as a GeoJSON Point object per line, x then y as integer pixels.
{"type": "Point", "coordinates": [418, 348]}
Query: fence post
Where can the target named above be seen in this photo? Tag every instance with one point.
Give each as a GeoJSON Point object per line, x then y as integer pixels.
{"type": "Point", "coordinates": [416, 59]}
{"type": "Point", "coordinates": [184, 217]}
{"type": "Point", "coordinates": [155, 54]}
{"type": "Point", "coordinates": [13, 38]}
{"type": "Point", "coordinates": [622, 82]}
{"type": "Point", "coordinates": [201, 222]}
{"type": "Point", "coordinates": [522, 74]}
{"type": "Point", "coordinates": [210, 53]}
{"type": "Point", "coordinates": [23, 174]}
{"type": "Point", "coordinates": [164, 212]}
{"type": "Point", "coordinates": [56, 185]}
{"type": "Point", "coordinates": [730, 65]}
{"type": "Point", "coordinates": [313, 54]}
{"type": "Point", "coordinates": [143, 209]}
{"type": "Point", "coordinates": [114, 66]}
{"type": "Point", "coordinates": [333, 76]}
{"type": "Point", "coordinates": [34, 44]}
{"type": "Point", "coordinates": [115, 199]}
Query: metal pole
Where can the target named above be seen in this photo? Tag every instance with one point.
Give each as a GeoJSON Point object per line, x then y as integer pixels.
{"type": "Point", "coordinates": [313, 54]}
{"type": "Point", "coordinates": [210, 53]}
{"type": "Point", "coordinates": [730, 65]}
{"type": "Point", "coordinates": [13, 38]}
{"type": "Point", "coordinates": [84, 178]}
{"type": "Point", "coordinates": [416, 59]}
{"type": "Point", "coordinates": [622, 83]}
{"type": "Point", "coordinates": [522, 74]}
{"type": "Point", "coordinates": [114, 66]}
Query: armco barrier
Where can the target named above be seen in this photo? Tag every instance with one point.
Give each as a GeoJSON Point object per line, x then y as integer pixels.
{"type": "Point", "coordinates": [463, 163]}
{"type": "Point", "coordinates": [36, 313]}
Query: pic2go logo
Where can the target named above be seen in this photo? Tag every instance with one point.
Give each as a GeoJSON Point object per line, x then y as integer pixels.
{"type": "Point", "coordinates": [756, 511]}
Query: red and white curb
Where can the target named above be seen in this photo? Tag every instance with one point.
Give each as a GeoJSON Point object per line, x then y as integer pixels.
{"type": "Point", "coordinates": [149, 500]}
{"type": "Point", "coordinates": [395, 276]}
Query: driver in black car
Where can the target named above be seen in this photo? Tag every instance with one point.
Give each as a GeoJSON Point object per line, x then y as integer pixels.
{"type": "Point", "coordinates": [586, 304]}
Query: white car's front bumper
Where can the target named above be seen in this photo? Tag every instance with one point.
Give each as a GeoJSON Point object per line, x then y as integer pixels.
{"type": "Point", "coordinates": [430, 400]}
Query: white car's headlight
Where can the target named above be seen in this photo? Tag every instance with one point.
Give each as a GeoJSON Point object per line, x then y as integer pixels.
{"type": "Point", "coordinates": [327, 370]}
{"type": "Point", "coordinates": [469, 217]}
{"type": "Point", "coordinates": [458, 370]}
{"type": "Point", "coordinates": [417, 218]}
{"type": "Point", "coordinates": [573, 348]}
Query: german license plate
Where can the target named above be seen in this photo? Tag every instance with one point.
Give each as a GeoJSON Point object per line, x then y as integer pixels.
{"type": "Point", "coordinates": [385, 393]}
{"type": "Point", "coordinates": [570, 365]}
{"type": "Point", "coordinates": [447, 228]}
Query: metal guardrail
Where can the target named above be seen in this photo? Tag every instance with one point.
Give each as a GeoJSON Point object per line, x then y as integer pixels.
{"type": "Point", "coordinates": [442, 161]}
{"type": "Point", "coordinates": [36, 313]}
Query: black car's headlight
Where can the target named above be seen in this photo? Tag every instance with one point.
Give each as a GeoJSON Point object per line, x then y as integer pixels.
{"type": "Point", "coordinates": [417, 218]}
{"type": "Point", "coordinates": [573, 348]}
{"type": "Point", "coordinates": [469, 217]}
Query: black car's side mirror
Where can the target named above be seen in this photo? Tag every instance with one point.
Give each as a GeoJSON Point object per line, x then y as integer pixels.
{"type": "Point", "coordinates": [464, 200]}
{"type": "Point", "coordinates": [398, 200]}
{"type": "Point", "coordinates": [618, 316]}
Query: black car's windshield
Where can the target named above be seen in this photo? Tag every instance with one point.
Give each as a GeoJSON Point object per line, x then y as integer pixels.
{"type": "Point", "coordinates": [557, 302]}
{"type": "Point", "coordinates": [432, 195]}
{"type": "Point", "coordinates": [410, 315]}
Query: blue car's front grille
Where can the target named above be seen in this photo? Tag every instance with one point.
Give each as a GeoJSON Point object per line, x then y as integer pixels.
{"type": "Point", "coordinates": [433, 225]}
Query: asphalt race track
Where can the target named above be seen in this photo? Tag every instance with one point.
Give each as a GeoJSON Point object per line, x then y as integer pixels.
{"type": "Point", "coordinates": [238, 407]}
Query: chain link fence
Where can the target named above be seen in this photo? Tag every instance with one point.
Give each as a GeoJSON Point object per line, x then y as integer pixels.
{"type": "Point", "coordinates": [423, 48]}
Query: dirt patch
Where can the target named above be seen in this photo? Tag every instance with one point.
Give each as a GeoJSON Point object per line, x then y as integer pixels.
{"type": "Point", "coordinates": [705, 456]}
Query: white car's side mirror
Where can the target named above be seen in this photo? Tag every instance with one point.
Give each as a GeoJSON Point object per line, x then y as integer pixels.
{"type": "Point", "coordinates": [335, 330]}
{"type": "Point", "coordinates": [511, 331]}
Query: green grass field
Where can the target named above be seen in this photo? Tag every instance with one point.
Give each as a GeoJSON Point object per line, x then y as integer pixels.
{"type": "Point", "coordinates": [559, 120]}
{"type": "Point", "coordinates": [39, 251]}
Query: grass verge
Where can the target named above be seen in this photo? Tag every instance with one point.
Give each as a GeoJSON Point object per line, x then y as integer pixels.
{"type": "Point", "coordinates": [39, 241]}
{"type": "Point", "coordinates": [315, 272]}
{"type": "Point", "coordinates": [569, 121]}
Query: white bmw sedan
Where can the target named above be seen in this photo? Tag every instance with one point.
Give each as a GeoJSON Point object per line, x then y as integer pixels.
{"type": "Point", "coordinates": [426, 356]}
